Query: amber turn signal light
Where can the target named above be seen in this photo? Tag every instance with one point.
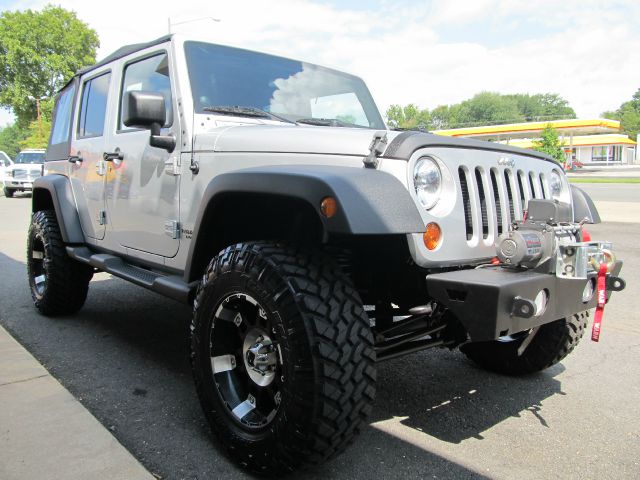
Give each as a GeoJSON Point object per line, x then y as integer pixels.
{"type": "Point", "coordinates": [432, 236]}
{"type": "Point", "coordinates": [328, 207]}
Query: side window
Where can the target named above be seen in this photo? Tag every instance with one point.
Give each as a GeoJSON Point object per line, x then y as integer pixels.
{"type": "Point", "coordinates": [93, 107]}
{"type": "Point", "coordinates": [62, 120]}
{"type": "Point", "coordinates": [149, 75]}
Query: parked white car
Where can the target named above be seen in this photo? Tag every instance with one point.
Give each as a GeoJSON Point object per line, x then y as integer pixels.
{"type": "Point", "coordinates": [19, 176]}
{"type": "Point", "coordinates": [5, 161]}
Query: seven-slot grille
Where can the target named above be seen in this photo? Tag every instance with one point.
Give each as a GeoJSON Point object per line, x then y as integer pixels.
{"type": "Point", "coordinates": [493, 198]}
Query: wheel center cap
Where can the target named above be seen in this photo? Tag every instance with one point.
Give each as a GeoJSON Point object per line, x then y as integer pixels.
{"type": "Point", "coordinates": [260, 357]}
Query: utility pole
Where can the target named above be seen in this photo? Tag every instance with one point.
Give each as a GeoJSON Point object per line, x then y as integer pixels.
{"type": "Point", "coordinates": [39, 111]}
{"type": "Point", "coordinates": [39, 115]}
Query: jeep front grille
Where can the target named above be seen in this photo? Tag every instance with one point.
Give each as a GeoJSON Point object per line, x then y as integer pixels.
{"type": "Point", "coordinates": [493, 198]}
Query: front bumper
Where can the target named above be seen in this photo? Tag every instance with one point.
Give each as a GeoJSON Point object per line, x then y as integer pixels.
{"type": "Point", "coordinates": [487, 301]}
{"type": "Point", "coordinates": [18, 184]}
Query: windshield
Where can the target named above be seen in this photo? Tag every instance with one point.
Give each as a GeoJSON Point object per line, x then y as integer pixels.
{"type": "Point", "coordinates": [30, 157]}
{"type": "Point", "coordinates": [225, 76]}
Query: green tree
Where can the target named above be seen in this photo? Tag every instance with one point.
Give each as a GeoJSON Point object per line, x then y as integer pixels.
{"type": "Point", "coordinates": [10, 138]}
{"type": "Point", "coordinates": [542, 106]}
{"type": "Point", "coordinates": [489, 108]}
{"type": "Point", "coordinates": [550, 144]}
{"type": "Point", "coordinates": [444, 116]}
{"type": "Point", "coordinates": [482, 109]}
{"type": "Point", "coordinates": [39, 52]}
{"type": "Point", "coordinates": [629, 115]}
{"type": "Point", "coordinates": [37, 134]}
{"type": "Point", "coordinates": [408, 117]}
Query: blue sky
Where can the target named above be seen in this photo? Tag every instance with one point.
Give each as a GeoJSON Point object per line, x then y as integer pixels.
{"type": "Point", "coordinates": [424, 52]}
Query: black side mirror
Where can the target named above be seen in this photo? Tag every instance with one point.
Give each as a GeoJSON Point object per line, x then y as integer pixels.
{"type": "Point", "coordinates": [147, 110]}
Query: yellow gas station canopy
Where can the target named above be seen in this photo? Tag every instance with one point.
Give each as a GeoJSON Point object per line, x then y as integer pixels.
{"type": "Point", "coordinates": [581, 141]}
{"type": "Point", "coordinates": [534, 129]}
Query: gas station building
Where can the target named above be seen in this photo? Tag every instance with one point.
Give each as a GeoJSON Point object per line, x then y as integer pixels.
{"type": "Point", "coordinates": [588, 141]}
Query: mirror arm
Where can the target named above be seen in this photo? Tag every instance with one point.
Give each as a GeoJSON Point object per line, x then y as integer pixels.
{"type": "Point", "coordinates": [167, 142]}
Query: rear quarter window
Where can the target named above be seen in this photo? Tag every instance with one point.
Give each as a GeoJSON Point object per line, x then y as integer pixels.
{"type": "Point", "coordinates": [93, 107]}
{"type": "Point", "coordinates": [61, 129]}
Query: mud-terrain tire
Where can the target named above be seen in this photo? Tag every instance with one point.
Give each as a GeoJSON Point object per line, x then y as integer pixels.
{"type": "Point", "coordinates": [553, 342]}
{"type": "Point", "coordinates": [319, 361]}
{"type": "Point", "coordinates": [8, 192]}
{"type": "Point", "coordinates": [59, 284]}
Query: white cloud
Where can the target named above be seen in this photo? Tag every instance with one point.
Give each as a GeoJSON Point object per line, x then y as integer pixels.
{"type": "Point", "coordinates": [460, 12]}
{"type": "Point", "coordinates": [586, 51]}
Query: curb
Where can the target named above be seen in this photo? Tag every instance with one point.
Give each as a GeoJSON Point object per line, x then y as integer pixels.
{"type": "Point", "coordinates": [46, 433]}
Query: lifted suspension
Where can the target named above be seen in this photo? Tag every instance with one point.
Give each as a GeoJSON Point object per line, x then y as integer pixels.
{"type": "Point", "coordinates": [423, 328]}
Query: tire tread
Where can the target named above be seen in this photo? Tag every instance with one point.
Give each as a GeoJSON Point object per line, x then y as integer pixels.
{"type": "Point", "coordinates": [552, 343]}
{"type": "Point", "coordinates": [67, 280]}
{"type": "Point", "coordinates": [342, 353]}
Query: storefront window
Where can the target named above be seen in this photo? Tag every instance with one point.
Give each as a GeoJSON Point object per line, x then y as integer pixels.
{"type": "Point", "coordinates": [606, 153]}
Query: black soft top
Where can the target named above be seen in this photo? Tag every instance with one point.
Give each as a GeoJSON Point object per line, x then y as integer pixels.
{"type": "Point", "coordinates": [122, 52]}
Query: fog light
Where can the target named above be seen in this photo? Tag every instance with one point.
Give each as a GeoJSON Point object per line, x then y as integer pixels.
{"type": "Point", "coordinates": [432, 236]}
{"type": "Point", "coordinates": [541, 302]}
{"type": "Point", "coordinates": [589, 290]}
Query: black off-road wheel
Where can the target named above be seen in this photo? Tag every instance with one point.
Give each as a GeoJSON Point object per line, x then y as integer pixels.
{"type": "Point", "coordinates": [59, 284]}
{"type": "Point", "coordinates": [8, 192]}
{"type": "Point", "coordinates": [549, 345]}
{"type": "Point", "coordinates": [282, 355]}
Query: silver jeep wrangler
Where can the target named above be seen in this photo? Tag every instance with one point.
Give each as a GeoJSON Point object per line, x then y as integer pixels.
{"type": "Point", "coordinates": [268, 194]}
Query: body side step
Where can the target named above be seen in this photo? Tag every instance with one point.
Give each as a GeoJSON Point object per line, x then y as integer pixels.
{"type": "Point", "coordinates": [171, 286]}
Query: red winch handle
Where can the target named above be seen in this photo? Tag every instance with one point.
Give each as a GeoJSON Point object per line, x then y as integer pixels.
{"type": "Point", "coordinates": [602, 300]}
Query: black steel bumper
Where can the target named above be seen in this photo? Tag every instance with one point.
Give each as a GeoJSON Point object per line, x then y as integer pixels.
{"type": "Point", "coordinates": [491, 302]}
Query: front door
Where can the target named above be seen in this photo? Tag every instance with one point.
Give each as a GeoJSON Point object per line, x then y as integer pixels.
{"type": "Point", "coordinates": [87, 167]}
{"type": "Point", "coordinates": [142, 189]}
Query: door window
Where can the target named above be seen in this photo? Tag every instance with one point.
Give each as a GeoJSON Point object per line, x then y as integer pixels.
{"type": "Point", "coordinates": [148, 75]}
{"type": "Point", "coordinates": [93, 108]}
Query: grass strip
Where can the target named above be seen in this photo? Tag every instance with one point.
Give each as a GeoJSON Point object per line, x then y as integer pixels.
{"type": "Point", "coordinates": [604, 179]}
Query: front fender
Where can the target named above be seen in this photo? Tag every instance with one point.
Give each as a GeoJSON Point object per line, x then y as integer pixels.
{"type": "Point", "coordinates": [370, 202]}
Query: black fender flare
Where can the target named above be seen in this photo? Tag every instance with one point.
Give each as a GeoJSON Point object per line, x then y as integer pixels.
{"type": "Point", "coordinates": [583, 206]}
{"type": "Point", "coordinates": [53, 192]}
{"type": "Point", "coordinates": [370, 202]}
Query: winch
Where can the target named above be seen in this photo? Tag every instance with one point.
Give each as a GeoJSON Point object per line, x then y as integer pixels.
{"type": "Point", "coordinates": [532, 242]}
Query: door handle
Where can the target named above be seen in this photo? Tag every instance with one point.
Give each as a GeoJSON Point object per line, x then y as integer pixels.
{"type": "Point", "coordinates": [111, 156]}
{"type": "Point", "coordinates": [75, 159]}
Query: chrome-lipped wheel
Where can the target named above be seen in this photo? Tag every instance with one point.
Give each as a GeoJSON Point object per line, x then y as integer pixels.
{"type": "Point", "coordinates": [246, 362]}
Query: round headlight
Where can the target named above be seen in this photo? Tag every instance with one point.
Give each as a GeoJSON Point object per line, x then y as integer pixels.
{"type": "Point", "coordinates": [427, 180]}
{"type": "Point", "coordinates": [555, 184]}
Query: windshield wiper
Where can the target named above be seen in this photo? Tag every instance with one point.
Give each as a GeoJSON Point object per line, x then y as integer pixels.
{"type": "Point", "coordinates": [244, 111]}
{"type": "Point", "coordinates": [328, 122]}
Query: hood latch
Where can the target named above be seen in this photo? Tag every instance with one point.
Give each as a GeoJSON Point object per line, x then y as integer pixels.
{"type": "Point", "coordinates": [377, 147]}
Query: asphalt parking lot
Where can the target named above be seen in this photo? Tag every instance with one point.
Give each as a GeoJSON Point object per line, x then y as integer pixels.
{"type": "Point", "coordinates": [124, 357]}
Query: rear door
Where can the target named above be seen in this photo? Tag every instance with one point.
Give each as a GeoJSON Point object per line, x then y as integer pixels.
{"type": "Point", "coordinates": [87, 174]}
{"type": "Point", "coordinates": [142, 191]}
